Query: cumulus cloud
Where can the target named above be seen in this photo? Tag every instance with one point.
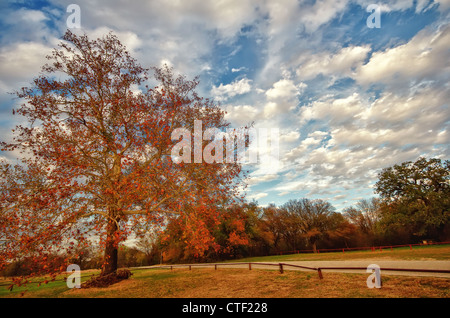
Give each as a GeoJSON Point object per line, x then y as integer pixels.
{"type": "Point", "coordinates": [237, 87]}
{"type": "Point", "coordinates": [20, 62]}
{"type": "Point", "coordinates": [257, 196]}
{"type": "Point", "coordinates": [290, 137]}
{"type": "Point", "coordinates": [241, 114]}
{"type": "Point", "coordinates": [321, 12]}
{"type": "Point", "coordinates": [342, 63]}
{"type": "Point", "coordinates": [424, 57]}
{"type": "Point", "coordinates": [281, 97]}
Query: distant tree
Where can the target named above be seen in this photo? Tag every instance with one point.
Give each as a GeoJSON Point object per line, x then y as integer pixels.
{"type": "Point", "coordinates": [366, 216]}
{"type": "Point", "coordinates": [262, 239]}
{"type": "Point", "coordinates": [274, 224]}
{"type": "Point", "coordinates": [149, 245]}
{"type": "Point", "coordinates": [417, 195]}
{"type": "Point", "coordinates": [311, 218]}
{"type": "Point", "coordinates": [97, 155]}
{"type": "Point", "coordinates": [340, 232]}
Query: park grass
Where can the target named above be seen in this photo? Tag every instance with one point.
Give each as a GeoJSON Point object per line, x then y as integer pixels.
{"type": "Point", "coordinates": [51, 289]}
{"type": "Point", "coordinates": [425, 252]}
{"type": "Point", "coordinates": [244, 283]}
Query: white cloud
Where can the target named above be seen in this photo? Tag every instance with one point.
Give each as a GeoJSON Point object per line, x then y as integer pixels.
{"type": "Point", "coordinates": [321, 12]}
{"type": "Point", "coordinates": [257, 196]}
{"type": "Point", "coordinates": [341, 64]}
{"type": "Point", "coordinates": [290, 137]}
{"type": "Point", "coordinates": [241, 114]}
{"type": "Point", "coordinates": [238, 87]}
{"type": "Point", "coordinates": [21, 62]}
{"type": "Point", "coordinates": [425, 56]}
{"type": "Point", "coordinates": [336, 111]}
{"type": "Point", "coordinates": [235, 70]}
{"type": "Point", "coordinates": [255, 178]}
{"type": "Point", "coordinates": [283, 89]}
{"type": "Point", "coordinates": [282, 97]}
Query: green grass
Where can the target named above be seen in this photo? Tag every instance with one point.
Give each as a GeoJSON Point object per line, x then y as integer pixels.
{"type": "Point", "coordinates": [51, 289]}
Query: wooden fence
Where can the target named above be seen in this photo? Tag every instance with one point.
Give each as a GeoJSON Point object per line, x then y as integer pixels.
{"type": "Point", "coordinates": [282, 266]}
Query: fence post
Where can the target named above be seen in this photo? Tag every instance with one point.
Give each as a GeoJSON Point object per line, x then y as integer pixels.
{"type": "Point", "coordinates": [343, 251]}
{"type": "Point", "coordinates": [319, 271]}
{"type": "Point", "coordinates": [281, 268]}
{"type": "Point", "coordinates": [410, 247]}
{"type": "Point", "coordinates": [215, 266]}
{"type": "Point", "coordinates": [249, 266]}
{"type": "Point", "coordinates": [189, 267]}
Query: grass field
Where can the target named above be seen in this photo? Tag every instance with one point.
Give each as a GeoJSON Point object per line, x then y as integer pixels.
{"type": "Point", "coordinates": [243, 283]}
{"type": "Point", "coordinates": [430, 252]}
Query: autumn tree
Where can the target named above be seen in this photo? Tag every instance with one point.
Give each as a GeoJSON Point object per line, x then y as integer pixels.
{"type": "Point", "coordinates": [96, 155]}
{"type": "Point", "coordinates": [232, 231]}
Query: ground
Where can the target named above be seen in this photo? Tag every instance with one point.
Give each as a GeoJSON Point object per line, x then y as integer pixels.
{"type": "Point", "coordinates": [268, 282]}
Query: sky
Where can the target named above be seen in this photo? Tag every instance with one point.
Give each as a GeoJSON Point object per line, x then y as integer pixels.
{"type": "Point", "coordinates": [348, 97]}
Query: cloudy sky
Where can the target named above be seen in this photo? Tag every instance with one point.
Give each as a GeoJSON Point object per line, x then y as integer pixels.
{"type": "Point", "coordinates": [348, 99]}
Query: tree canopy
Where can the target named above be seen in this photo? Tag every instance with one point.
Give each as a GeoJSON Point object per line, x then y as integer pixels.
{"type": "Point", "coordinates": [417, 195]}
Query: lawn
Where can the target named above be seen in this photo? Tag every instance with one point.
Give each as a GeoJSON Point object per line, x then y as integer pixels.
{"type": "Point", "coordinates": [242, 283]}
{"type": "Point", "coordinates": [430, 252]}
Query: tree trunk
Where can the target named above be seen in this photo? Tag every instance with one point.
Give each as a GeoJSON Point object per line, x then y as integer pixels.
{"type": "Point", "coordinates": [112, 244]}
{"type": "Point", "coordinates": [111, 250]}
{"type": "Point", "coordinates": [314, 246]}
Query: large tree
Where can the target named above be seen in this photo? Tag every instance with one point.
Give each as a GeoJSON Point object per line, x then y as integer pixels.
{"type": "Point", "coordinates": [416, 195]}
{"type": "Point", "coordinates": [96, 155]}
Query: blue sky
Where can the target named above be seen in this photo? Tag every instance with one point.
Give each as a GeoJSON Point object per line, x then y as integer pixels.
{"type": "Point", "coordinates": [348, 100]}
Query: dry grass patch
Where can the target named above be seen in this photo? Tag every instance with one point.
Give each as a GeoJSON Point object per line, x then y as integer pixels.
{"type": "Point", "coordinates": [244, 283]}
{"type": "Point", "coordinates": [257, 283]}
